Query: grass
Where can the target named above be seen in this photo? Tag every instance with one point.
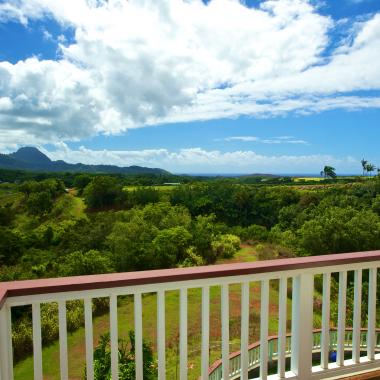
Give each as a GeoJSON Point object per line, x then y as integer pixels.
{"type": "Point", "coordinates": [302, 179]}
{"type": "Point", "coordinates": [9, 194]}
{"type": "Point", "coordinates": [158, 187]}
{"type": "Point", "coordinates": [76, 340]}
{"type": "Point", "coordinates": [72, 207]}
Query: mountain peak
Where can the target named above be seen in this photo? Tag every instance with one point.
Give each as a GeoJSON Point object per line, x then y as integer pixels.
{"type": "Point", "coordinates": [31, 155]}
{"type": "Point", "coordinates": [30, 158]}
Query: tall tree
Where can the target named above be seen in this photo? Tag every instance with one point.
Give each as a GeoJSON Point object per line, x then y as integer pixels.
{"type": "Point", "coordinates": [370, 168]}
{"type": "Point", "coordinates": [364, 165]}
{"type": "Point", "coordinates": [328, 172]}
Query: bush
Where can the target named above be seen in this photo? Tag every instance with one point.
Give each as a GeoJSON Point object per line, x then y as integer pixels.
{"type": "Point", "coordinates": [84, 263]}
{"type": "Point", "coordinates": [22, 336]}
{"type": "Point", "coordinates": [104, 191]}
{"type": "Point", "coordinates": [39, 203]}
{"type": "Point", "coordinates": [226, 245]}
{"type": "Point", "coordinates": [102, 359]}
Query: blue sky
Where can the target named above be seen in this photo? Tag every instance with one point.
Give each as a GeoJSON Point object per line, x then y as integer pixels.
{"type": "Point", "coordinates": [283, 86]}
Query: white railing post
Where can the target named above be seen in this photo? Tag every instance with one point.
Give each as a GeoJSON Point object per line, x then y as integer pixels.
{"type": "Point", "coordinates": [6, 357]}
{"type": "Point", "coordinates": [264, 322]}
{"type": "Point", "coordinates": [325, 335]}
{"type": "Point", "coordinates": [371, 333]}
{"type": "Point", "coordinates": [244, 334]}
{"type": "Point", "coordinates": [302, 326]}
{"type": "Point", "coordinates": [183, 335]}
{"type": "Point", "coordinates": [138, 337]}
{"type": "Point", "coordinates": [88, 328]}
{"type": "Point", "coordinates": [282, 317]}
{"type": "Point", "coordinates": [225, 303]}
{"type": "Point", "coordinates": [37, 341]}
{"type": "Point", "coordinates": [357, 316]}
{"type": "Point", "coordinates": [205, 331]}
{"type": "Point", "coordinates": [63, 340]}
{"type": "Point", "coordinates": [161, 335]}
{"type": "Point", "coordinates": [342, 303]}
{"type": "Point", "coordinates": [114, 337]}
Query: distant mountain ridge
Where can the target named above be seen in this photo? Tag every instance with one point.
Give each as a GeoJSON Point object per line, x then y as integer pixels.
{"type": "Point", "coordinates": [30, 158]}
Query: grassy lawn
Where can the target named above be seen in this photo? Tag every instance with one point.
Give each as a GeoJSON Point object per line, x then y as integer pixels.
{"type": "Point", "coordinates": [76, 341]}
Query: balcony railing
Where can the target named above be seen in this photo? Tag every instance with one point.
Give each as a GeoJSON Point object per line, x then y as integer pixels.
{"type": "Point", "coordinates": [299, 272]}
{"type": "Point", "coordinates": [215, 372]}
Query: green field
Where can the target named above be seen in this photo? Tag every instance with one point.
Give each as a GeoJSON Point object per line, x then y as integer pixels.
{"type": "Point", "coordinates": [304, 179]}
{"type": "Point", "coordinates": [158, 187]}
{"type": "Point", "coordinates": [9, 194]}
{"type": "Point", "coordinates": [76, 341]}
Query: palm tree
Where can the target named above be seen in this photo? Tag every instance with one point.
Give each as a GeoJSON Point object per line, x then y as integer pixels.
{"type": "Point", "coordinates": [328, 172]}
{"type": "Point", "coordinates": [364, 165]}
{"type": "Point", "coordinates": [370, 168]}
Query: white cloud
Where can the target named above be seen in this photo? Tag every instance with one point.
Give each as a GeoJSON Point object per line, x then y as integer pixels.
{"type": "Point", "coordinates": [198, 160]}
{"type": "Point", "coordinates": [275, 140]}
{"type": "Point", "coordinates": [136, 63]}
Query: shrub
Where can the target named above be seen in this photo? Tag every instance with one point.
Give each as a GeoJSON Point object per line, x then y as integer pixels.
{"type": "Point", "coordinates": [226, 245]}
{"type": "Point", "coordinates": [126, 354]}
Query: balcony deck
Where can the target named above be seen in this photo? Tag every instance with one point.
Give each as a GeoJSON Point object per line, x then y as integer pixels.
{"type": "Point", "coordinates": [299, 346]}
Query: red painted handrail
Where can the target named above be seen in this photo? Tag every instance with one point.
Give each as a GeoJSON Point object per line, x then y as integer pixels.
{"type": "Point", "coordinates": [102, 281]}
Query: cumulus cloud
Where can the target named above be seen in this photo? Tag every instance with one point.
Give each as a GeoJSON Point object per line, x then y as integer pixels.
{"type": "Point", "coordinates": [198, 160]}
{"type": "Point", "coordinates": [138, 63]}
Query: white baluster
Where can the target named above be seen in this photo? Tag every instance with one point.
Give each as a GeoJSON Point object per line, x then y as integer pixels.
{"type": "Point", "coordinates": [244, 337]}
{"type": "Point", "coordinates": [138, 337]}
{"type": "Point", "coordinates": [183, 334]}
{"type": "Point", "coordinates": [114, 338]}
{"type": "Point", "coordinates": [282, 317]}
{"type": "Point", "coordinates": [341, 318]}
{"type": "Point", "coordinates": [357, 316]}
{"type": "Point", "coordinates": [6, 354]}
{"type": "Point", "coordinates": [264, 316]}
{"type": "Point", "coordinates": [225, 303]}
{"type": "Point", "coordinates": [161, 334]}
{"type": "Point", "coordinates": [302, 326]}
{"type": "Point", "coordinates": [89, 338]}
{"type": "Point", "coordinates": [205, 331]}
{"type": "Point", "coordinates": [63, 340]}
{"type": "Point", "coordinates": [37, 341]}
{"type": "Point", "coordinates": [371, 333]}
{"type": "Point", "coordinates": [325, 336]}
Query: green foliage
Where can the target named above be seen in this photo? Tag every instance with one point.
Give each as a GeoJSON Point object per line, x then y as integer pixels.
{"type": "Point", "coordinates": [170, 246]}
{"type": "Point", "coordinates": [6, 215]}
{"type": "Point", "coordinates": [104, 192]}
{"type": "Point", "coordinates": [81, 181]}
{"type": "Point", "coordinates": [52, 186]}
{"type": "Point", "coordinates": [328, 172]}
{"type": "Point", "coordinates": [39, 203]}
{"type": "Point", "coordinates": [192, 258]}
{"type": "Point", "coordinates": [131, 244]}
{"type": "Point", "coordinates": [225, 246]}
{"type": "Point", "coordinates": [126, 356]}
{"type": "Point", "coordinates": [11, 246]}
{"type": "Point", "coordinates": [235, 204]}
{"type": "Point", "coordinates": [83, 263]}
{"type": "Point", "coordinates": [336, 230]}
{"type": "Point", "coordinates": [253, 232]}
{"type": "Point", "coordinates": [143, 196]}
{"type": "Point", "coordinates": [376, 204]}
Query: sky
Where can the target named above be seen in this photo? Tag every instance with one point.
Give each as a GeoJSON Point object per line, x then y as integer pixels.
{"type": "Point", "coordinates": [219, 86]}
